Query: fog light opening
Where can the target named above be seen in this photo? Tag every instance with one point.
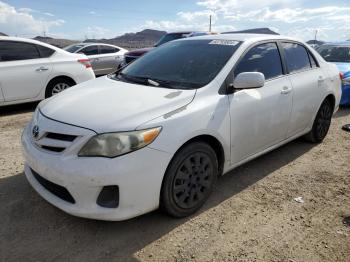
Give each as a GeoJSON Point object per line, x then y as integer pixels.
{"type": "Point", "coordinates": [109, 197]}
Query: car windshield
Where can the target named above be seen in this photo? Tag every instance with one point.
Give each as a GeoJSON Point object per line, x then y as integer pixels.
{"type": "Point", "coordinates": [332, 53]}
{"type": "Point", "coordinates": [188, 64]}
{"type": "Point", "coordinates": [170, 37]}
{"type": "Point", "coordinates": [73, 48]}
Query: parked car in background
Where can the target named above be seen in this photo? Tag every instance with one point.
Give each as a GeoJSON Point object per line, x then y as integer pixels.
{"type": "Point", "coordinates": [134, 54]}
{"type": "Point", "coordinates": [339, 54]}
{"type": "Point", "coordinates": [104, 58]}
{"type": "Point", "coordinates": [163, 129]}
{"type": "Point", "coordinates": [31, 70]}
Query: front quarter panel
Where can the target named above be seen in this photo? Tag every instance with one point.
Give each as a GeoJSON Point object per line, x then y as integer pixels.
{"type": "Point", "coordinates": [208, 114]}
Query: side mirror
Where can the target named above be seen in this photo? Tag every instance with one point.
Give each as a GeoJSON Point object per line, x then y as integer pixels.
{"type": "Point", "coordinates": [249, 80]}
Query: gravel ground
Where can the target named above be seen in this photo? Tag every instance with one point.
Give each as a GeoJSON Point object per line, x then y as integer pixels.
{"type": "Point", "coordinates": [251, 216]}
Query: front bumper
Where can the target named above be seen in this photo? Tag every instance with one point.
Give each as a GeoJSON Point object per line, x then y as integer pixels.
{"type": "Point", "coordinates": [345, 98]}
{"type": "Point", "coordinates": [138, 175]}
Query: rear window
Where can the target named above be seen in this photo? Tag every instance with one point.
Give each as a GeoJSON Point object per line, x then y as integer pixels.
{"type": "Point", "coordinates": [335, 53]}
{"type": "Point", "coordinates": [171, 37]}
{"type": "Point", "coordinates": [104, 49]}
{"type": "Point", "coordinates": [73, 48]}
{"type": "Point", "coordinates": [13, 51]}
{"type": "Point", "coordinates": [297, 57]}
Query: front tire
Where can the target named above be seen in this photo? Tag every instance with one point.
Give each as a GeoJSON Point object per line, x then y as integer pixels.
{"type": "Point", "coordinates": [189, 180]}
{"type": "Point", "coordinates": [58, 85]}
{"type": "Point", "coordinates": [321, 124]}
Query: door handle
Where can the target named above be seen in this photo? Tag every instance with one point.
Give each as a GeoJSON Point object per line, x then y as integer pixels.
{"type": "Point", "coordinates": [41, 69]}
{"type": "Point", "coordinates": [286, 90]}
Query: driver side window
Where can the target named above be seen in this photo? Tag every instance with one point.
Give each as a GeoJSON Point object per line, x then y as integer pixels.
{"type": "Point", "coordinates": [264, 58]}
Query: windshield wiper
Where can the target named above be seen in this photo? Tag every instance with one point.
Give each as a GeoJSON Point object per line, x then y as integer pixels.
{"type": "Point", "coordinates": [131, 79]}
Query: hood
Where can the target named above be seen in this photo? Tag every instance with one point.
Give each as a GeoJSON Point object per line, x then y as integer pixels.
{"type": "Point", "coordinates": [343, 67]}
{"type": "Point", "coordinates": [106, 105]}
{"type": "Point", "coordinates": [139, 52]}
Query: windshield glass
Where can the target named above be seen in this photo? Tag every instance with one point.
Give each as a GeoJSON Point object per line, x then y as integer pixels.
{"type": "Point", "coordinates": [335, 53]}
{"type": "Point", "coordinates": [188, 64]}
{"type": "Point", "coordinates": [170, 37]}
{"type": "Point", "coordinates": [73, 48]}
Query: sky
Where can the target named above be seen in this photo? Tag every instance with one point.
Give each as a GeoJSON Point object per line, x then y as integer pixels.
{"type": "Point", "coordinates": [80, 19]}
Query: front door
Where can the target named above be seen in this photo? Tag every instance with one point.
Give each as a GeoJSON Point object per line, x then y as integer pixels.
{"type": "Point", "coordinates": [260, 117]}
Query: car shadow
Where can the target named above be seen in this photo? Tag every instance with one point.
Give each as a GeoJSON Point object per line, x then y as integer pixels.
{"type": "Point", "coordinates": [33, 229]}
{"type": "Point", "coordinates": [18, 109]}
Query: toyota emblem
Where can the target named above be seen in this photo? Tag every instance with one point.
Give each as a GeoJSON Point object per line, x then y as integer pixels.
{"type": "Point", "coordinates": [35, 132]}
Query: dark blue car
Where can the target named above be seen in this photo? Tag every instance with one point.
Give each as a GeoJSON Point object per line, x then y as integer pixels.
{"type": "Point", "coordinates": [339, 54]}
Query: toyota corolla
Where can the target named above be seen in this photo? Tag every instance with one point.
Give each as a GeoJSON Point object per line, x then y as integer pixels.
{"type": "Point", "coordinates": [162, 130]}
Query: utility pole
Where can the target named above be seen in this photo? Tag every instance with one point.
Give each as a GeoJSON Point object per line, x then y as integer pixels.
{"type": "Point", "coordinates": [210, 23]}
{"type": "Point", "coordinates": [315, 36]}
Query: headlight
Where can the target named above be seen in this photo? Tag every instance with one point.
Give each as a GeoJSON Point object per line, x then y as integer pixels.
{"type": "Point", "coordinates": [116, 144]}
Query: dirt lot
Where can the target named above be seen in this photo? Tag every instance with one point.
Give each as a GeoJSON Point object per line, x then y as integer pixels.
{"type": "Point", "coordinates": [252, 215]}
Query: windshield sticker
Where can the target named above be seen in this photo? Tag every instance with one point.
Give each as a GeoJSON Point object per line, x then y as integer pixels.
{"type": "Point", "coordinates": [224, 42]}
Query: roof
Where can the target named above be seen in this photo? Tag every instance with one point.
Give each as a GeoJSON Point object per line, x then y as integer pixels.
{"type": "Point", "coordinates": [243, 37]}
{"type": "Point", "coordinates": [28, 40]}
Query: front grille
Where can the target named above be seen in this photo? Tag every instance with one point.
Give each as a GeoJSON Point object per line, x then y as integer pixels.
{"type": "Point", "coordinates": [62, 137]}
{"type": "Point", "coordinates": [53, 188]}
{"type": "Point", "coordinates": [129, 59]}
{"type": "Point", "coordinates": [53, 148]}
{"type": "Point", "coordinates": [55, 142]}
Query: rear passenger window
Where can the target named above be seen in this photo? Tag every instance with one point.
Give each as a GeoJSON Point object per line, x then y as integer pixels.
{"type": "Point", "coordinates": [90, 50]}
{"type": "Point", "coordinates": [297, 57]}
{"type": "Point", "coordinates": [264, 58]}
{"type": "Point", "coordinates": [45, 51]}
{"type": "Point", "coordinates": [108, 49]}
{"type": "Point", "coordinates": [13, 51]}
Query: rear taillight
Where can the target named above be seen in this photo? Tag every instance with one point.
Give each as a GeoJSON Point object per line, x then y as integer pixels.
{"type": "Point", "coordinates": [85, 62]}
{"type": "Point", "coordinates": [341, 75]}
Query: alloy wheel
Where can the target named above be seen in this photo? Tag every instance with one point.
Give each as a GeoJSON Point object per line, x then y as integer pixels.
{"type": "Point", "coordinates": [58, 88]}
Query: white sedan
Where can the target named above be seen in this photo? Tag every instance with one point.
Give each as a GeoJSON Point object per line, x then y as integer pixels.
{"type": "Point", "coordinates": [161, 131]}
{"type": "Point", "coordinates": [31, 70]}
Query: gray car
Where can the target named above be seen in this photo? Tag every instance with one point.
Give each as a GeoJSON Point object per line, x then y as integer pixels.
{"type": "Point", "coordinates": [104, 58]}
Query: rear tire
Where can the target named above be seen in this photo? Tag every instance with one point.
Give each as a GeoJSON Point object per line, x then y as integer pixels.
{"type": "Point", "coordinates": [58, 85]}
{"type": "Point", "coordinates": [189, 180]}
{"type": "Point", "coordinates": [321, 124]}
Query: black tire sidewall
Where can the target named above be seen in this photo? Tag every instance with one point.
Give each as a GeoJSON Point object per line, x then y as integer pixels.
{"type": "Point", "coordinates": [52, 83]}
{"type": "Point", "coordinates": [316, 135]}
{"type": "Point", "coordinates": [167, 203]}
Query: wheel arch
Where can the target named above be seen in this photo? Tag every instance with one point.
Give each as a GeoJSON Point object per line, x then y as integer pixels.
{"type": "Point", "coordinates": [58, 77]}
{"type": "Point", "coordinates": [214, 143]}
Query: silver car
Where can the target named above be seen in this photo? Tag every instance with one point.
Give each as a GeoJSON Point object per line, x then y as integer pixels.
{"type": "Point", "coordinates": [104, 58]}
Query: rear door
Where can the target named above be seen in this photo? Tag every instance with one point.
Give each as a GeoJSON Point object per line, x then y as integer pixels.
{"type": "Point", "coordinates": [260, 117]}
{"type": "Point", "coordinates": [109, 59]}
{"type": "Point", "coordinates": [93, 53]}
{"type": "Point", "coordinates": [307, 80]}
{"type": "Point", "coordinates": [24, 72]}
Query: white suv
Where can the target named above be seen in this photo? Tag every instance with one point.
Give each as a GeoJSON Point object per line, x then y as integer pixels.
{"type": "Point", "coordinates": [31, 70]}
{"type": "Point", "coordinates": [162, 130]}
